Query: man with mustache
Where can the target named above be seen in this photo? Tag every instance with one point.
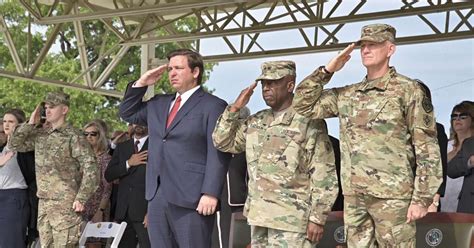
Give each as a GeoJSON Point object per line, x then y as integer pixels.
{"type": "Point", "coordinates": [292, 177]}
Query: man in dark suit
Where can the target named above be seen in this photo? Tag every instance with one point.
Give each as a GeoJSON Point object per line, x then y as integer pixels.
{"type": "Point", "coordinates": [184, 163]}
{"type": "Point", "coordinates": [339, 203]}
{"type": "Point", "coordinates": [463, 165]}
{"type": "Point", "coordinates": [128, 164]}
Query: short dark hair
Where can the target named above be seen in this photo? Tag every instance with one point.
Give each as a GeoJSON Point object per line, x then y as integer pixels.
{"type": "Point", "coordinates": [18, 113]}
{"type": "Point", "coordinates": [194, 60]}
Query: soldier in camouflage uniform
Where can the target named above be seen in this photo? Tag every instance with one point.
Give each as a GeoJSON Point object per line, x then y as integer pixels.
{"type": "Point", "coordinates": [66, 171]}
{"type": "Point", "coordinates": [387, 129]}
{"type": "Point", "coordinates": [292, 177]}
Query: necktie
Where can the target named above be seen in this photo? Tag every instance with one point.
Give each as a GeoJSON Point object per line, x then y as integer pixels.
{"type": "Point", "coordinates": [136, 146]}
{"type": "Point", "coordinates": [173, 111]}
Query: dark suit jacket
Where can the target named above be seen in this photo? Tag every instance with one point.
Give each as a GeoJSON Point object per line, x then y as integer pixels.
{"type": "Point", "coordinates": [443, 149]}
{"type": "Point", "coordinates": [339, 203]}
{"type": "Point", "coordinates": [131, 188]}
{"type": "Point", "coordinates": [458, 167]}
{"type": "Point", "coordinates": [184, 162]}
{"type": "Point", "coordinates": [237, 179]}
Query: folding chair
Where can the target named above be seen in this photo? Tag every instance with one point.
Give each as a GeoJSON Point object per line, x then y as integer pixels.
{"type": "Point", "coordinates": [103, 230]}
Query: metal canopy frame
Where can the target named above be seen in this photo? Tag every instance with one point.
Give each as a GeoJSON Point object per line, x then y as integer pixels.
{"type": "Point", "coordinates": [240, 29]}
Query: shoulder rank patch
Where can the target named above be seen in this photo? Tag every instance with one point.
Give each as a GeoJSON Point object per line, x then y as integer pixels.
{"type": "Point", "coordinates": [427, 120]}
{"type": "Point", "coordinates": [427, 106]}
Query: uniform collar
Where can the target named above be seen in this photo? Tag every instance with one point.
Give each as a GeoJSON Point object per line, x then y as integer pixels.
{"type": "Point", "coordinates": [285, 118]}
{"type": "Point", "coordinates": [61, 128]}
{"type": "Point", "coordinates": [378, 83]}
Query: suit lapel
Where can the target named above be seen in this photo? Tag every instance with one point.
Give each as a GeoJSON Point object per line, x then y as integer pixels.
{"type": "Point", "coordinates": [145, 146]}
{"type": "Point", "coordinates": [184, 110]}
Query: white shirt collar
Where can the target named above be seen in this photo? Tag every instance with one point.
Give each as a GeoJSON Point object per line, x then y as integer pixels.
{"type": "Point", "coordinates": [142, 141]}
{"type": "Point", "coordinates": [185, 96]}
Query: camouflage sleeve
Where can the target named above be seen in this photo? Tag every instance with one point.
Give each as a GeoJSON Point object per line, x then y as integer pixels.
{"type": "Point", "coordinates": [422, 127]}
{"type": "Point", "coordinates": [228, 135]}
{"type": "Point", "coordinates": [314, 102]}
{"type": "Point", "coordinates": [324, 187]}
{"type": "Point", "coordinates": [23, 138]}
{"type": "Point", "coordinates": [82, 152]}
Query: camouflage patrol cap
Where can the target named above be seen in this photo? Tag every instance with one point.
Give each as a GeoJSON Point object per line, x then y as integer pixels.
{"type": "Point", "coordinates": [275, 70]}
{"type": "Point", "coordinates": [377, 33]}
{"type": "Point", "coordinates": [56, 98]}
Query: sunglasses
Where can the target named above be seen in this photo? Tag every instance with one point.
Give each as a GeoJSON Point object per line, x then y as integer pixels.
{"type": "Point", "coordinates": [93, 134]}
{"type": "Point", "coordinates": [461, 116]}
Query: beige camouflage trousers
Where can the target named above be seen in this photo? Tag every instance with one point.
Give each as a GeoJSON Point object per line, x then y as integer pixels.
{"type": "Point", "coordinates": [262, 237]}
{"type": "Point", "coordinates": [58, 224]}
{"type": "Point", "coordinates": [375, 222]}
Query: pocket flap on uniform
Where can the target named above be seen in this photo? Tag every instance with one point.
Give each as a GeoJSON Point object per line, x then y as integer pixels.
{"type": "Point", "coordinates": [403, 232]}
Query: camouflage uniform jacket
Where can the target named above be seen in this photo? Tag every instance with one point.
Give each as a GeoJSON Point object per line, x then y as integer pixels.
{"type": "Point", "coordinates": [387, 130]}
{"type": "Point", "coordinates": [290, 161]}
{"type": "Point", "coordinates": [66, 168]}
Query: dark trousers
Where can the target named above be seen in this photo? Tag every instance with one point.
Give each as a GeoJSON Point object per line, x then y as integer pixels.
{"type": "Point", "coordinates": [113, 201]}
{"type": "Point", "coordinates": [172, 226]}
{"type": "Point", "coordinates": [135, 233]}
{"type": "Point", "coordinates": [13, 218]}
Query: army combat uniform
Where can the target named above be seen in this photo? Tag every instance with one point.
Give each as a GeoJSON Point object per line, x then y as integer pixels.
{"type": "Point", "coordinates": [66, 171]}
{"type": "Point", "coordinates": [387, 129]}
{"type": "Point", "coordinates": [292, 176]}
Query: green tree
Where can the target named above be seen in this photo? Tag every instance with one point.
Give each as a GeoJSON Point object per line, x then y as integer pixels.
{"type": "Point", "coordinates": [64, 65]}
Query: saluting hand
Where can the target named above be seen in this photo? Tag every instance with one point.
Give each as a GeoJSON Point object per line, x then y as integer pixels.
{"type": "Point", "coordinates": [151, 76]}
{"type": "Point", "coordinates": [243, 98]}
{"type": "Point", "coordinates": [35, 117]}
{"type": "Point", "coordinates": [340, 60]}
{"type": "Point", "coordinates": [207, 205]}
{"type": "Point", "coordinates": [138, 158]}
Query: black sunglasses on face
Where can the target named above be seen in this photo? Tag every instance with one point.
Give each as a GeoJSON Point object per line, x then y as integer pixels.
{"type": "Point", "coordinates": [93, 134]}
{"type": "Point", "coordinates": [461, 116]}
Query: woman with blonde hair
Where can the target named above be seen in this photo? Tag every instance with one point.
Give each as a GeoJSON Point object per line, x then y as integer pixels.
{"type": "Point", "coordinates": [97, 207]}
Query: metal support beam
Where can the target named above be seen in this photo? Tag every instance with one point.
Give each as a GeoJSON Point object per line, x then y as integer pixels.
{"type": "Point", "coordinates": [81, 47]}
{"type": "Point", "coordinates": [241, 26]}
{"type": "Point", "coordinates": [11, 46]}
{"type": "Point", "coordinates": [47, 46]}
{"type": "Point", "coordinates": [161, 9]}
{"type": "Point", "coordinates": [147, 52]}
{"type": "Point", "coordinates": [58, 83]}
{"type": "Point", "coordinates": [106, 73]}
{"type": "Point", "coordinates": [302, 24]}
{"type": "Point", "coordinates": [327, 48]}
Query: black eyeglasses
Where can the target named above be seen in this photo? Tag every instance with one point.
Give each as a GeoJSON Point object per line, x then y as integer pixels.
{"type": "Point", "coordinates": [460, 116]}
{"type": "Point", "coordinates": [93, 134]}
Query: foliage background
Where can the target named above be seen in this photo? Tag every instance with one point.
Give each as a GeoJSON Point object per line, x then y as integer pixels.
{"type": "Point", "coordinates": [63, 64]}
